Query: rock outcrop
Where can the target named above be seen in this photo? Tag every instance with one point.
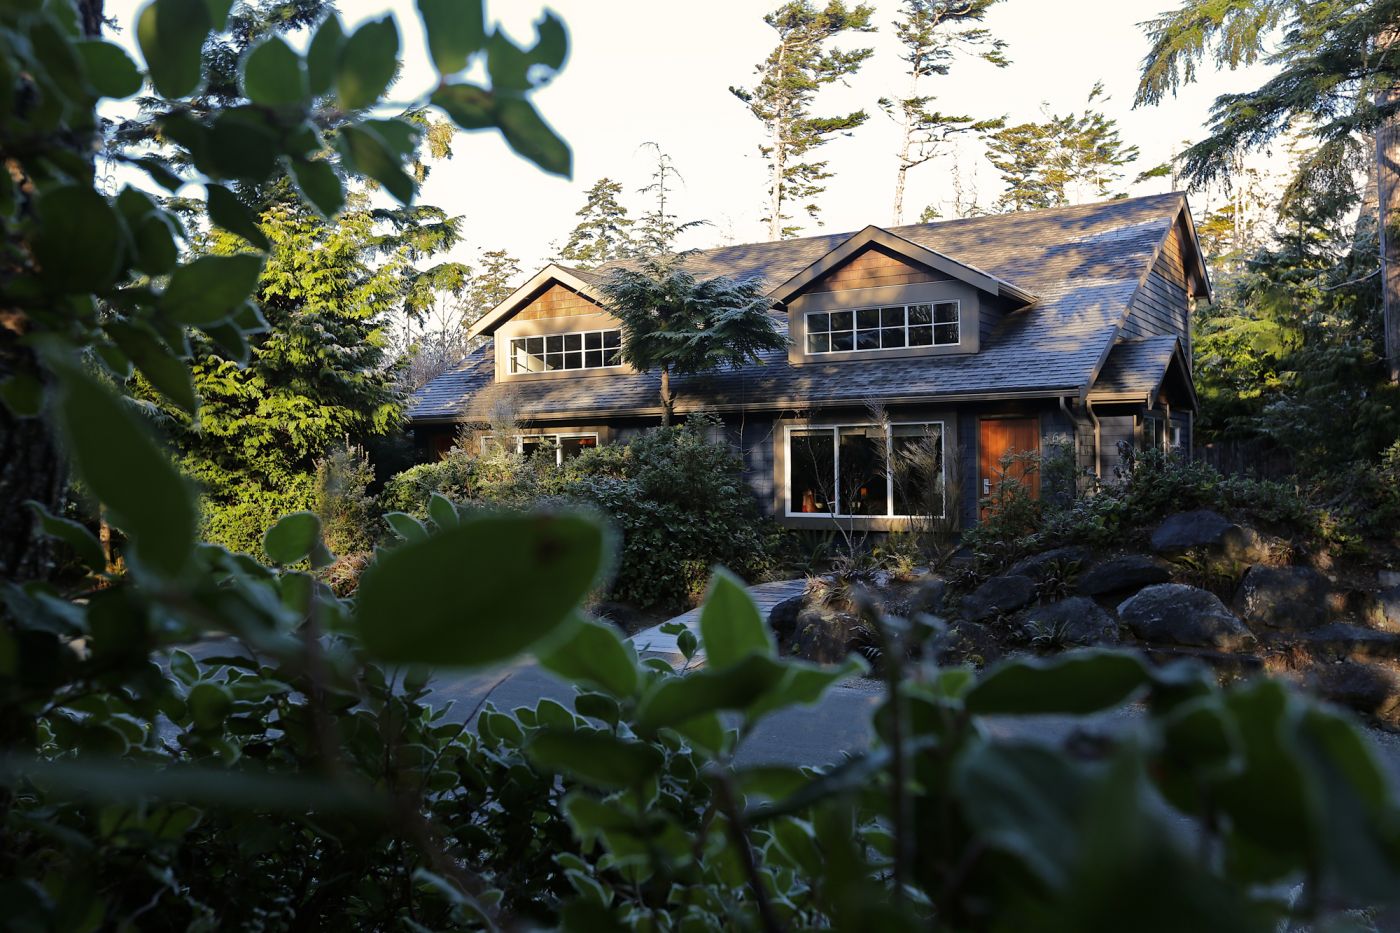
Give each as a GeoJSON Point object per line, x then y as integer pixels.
{"type": "Point", "coordinates": [1125, 574]}
{"type": "Point", "coordinates": [997, 596]}
{"type": "Point", "coordinates": [1292, 598]}
{"type": "Point", "coordinates": [1176, 614]}
{"type": "Point", "coordinates": [1074, 621]}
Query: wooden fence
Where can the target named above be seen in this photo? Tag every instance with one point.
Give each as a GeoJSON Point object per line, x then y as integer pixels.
{"type": "Point", "coordinates": [1247, 458]}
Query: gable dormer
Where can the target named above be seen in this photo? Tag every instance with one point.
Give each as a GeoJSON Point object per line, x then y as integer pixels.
{"type": "Point", "coordinates": [880, 296]}
{"type": "Point", "coordinates": [553, 326]}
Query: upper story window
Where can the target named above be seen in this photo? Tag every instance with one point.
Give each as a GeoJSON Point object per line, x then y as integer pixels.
{"type": "Point", "coordinates": [927, 324]}
{"type": "Point", "coordinates": [592, 349]}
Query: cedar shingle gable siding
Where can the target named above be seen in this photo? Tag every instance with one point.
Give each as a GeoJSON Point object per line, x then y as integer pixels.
{"type": "Point", "coordinates": [1084, 263]}
{"type": "Point", "coordinates": [556, 301]}
{"type": "Point", "coordinates": [1160, 308]}
{"type": "Point", "coordinates": [872, 268]}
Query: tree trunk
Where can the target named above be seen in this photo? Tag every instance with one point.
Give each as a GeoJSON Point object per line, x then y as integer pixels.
{"type": "Point", "coordinates": [668, 400]}
{"type": "Point", "coordinates": [1388, 194]}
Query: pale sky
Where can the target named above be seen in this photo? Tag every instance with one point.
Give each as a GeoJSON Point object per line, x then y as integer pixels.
{"type": "Point", "coordinates": [660, 70]}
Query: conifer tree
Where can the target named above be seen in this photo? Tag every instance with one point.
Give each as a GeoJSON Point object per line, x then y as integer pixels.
{"type": "Point", "coordinates": [799, 66]}
{"type": "Point", "coordinates": [491, 283]}
{"type": "Point", "coordinates": [932, 35]}
{"type": "Point", "coordinates": [604, 231]}
{"type": "Point", "coordinates": [658, 229]}
{"type": "Point", "coordinates": [1067, 159]}
{"type": "Point", "coordinates": [1338, 74]}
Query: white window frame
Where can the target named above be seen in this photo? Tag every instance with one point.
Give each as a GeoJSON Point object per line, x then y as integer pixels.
{"type": "Point", "coordinates": [835, 430]}
{"type": "Point", "coordinates": [584, 351]}
{"type": "Point", "coordinates": [555, 437]}
{"type": "Point", "coordinates": [933, 326]}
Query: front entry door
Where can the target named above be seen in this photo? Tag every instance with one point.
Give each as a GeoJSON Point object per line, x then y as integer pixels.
{"type": "Point", "coordinates": [999, 438]}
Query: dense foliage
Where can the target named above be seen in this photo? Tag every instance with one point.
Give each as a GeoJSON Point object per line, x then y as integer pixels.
{"type": "Point", "coordinates": [677, 499]}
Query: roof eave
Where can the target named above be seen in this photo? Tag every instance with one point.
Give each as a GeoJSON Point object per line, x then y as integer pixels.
{"type": "Point", "coordinates": [486, 325]}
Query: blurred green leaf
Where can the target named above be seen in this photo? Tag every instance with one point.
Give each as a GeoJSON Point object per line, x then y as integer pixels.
{"type": "Point", "coordinates": [1075, 683]}
{"type": "Point", "coordinates": [456, 30]}
{"type": "Point", "coordinates": [709, 690]}
{"type": "Point", "coordinates": [109, 69]}
{"type": "Point", "coordinates": [273, 74]}
{"type": "Point", "coordinates": [293, 538]}
{"type": "Point", "coordinates": [368, 152]}
{"type": "Point", "coordinates": [442, 511]}
{"type": "Point", "coordinates": [125, 470]}
{"type": "Point", "coordinates": [157, 362]}
{"type": "Point", "coordinates": [210, 288]}
{"type": "Point", "coordinates": [730, 625]}
{"type": "Point", "coordinates": [413, 606]}
{"type": "Point", "coordinates": [594, 757]}
{"type": "Point", "coordinates": [527, 133]}
{"type": "Point", "coordinates": [368, 60]}
{"type": "Point", "coordinates": [323, 55]}
{"type": "Point", "coordinates": [209, 704]}
{"type": "Point", "coordinates": [320, 184]}
{"type": "Point", "coordinates": [468, 106]}
{"type": "Point", "coordinates": [80, 241]}
{"type": "Point", "coordinates": [594, 654]}
{"type": "Point", "coordinates": [227, 211]}
{"type": "Point", "coordinates": [406, 526]}
{"type": "Point", "coordinates": [83, 542]}
{"type": "Point", "coordinates": [171, 34]}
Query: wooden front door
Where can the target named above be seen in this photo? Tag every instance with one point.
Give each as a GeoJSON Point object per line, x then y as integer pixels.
{"type": "Point", "coordinates": [999, 438]}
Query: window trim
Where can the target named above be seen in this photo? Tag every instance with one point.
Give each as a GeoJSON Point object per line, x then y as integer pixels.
{"type": "Point", "coordinates": [555, 435]}
{"type": "Point", "coordinates": [933, 326]}
{"type": "Point", "coordinates": [583, 351]}
{"type": "Point", "coordinates": [835, 432]}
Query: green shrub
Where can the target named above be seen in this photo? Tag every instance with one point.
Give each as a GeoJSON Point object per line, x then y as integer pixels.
{"type": "Point", "coordinates": [678, 501]}
{"type": "Point", "coordinates": [349, 514]}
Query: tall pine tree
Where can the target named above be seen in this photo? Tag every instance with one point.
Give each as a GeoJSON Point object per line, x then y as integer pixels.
{"type": "Point", "coordinates": [604, 231]}
{"type": "Point", "coordinates": [1062, 160]}
{"type": "Point", "coordinates": [799, 66]}
{"type": "Point", "coordinates": [931, 36]}
{"type": "Point", "coordinates": [491, 282]}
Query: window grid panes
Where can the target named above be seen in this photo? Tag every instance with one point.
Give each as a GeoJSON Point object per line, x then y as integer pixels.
{"type": "Point", "coordinates": [894, 327]}
{"type": "Point", "coordinates": [593, 349]}
{"type": "Point", "coordinates": [865, 470]}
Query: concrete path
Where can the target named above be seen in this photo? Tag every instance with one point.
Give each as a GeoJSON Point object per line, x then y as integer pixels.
{"type": "Point", "coordinates": [823, 733]}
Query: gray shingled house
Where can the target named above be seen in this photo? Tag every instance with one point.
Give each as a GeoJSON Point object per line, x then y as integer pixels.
{"type": "Point", "coordinates": [976, 337]}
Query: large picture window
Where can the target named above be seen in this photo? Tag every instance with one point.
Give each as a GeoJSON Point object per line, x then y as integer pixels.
{"type": "Point", "coordinates": [591, 349]}
{"type": "Point", "coordinates": [928, 324]}
{"type": "Point", "coordinates": [866, 470]}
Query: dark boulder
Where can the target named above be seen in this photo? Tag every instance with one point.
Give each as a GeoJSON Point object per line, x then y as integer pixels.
{"type": "Point", "coordinates": [1295, 598]}
{"type": "Point", "coordinates": [997, 596]}
{"type": "Point", "coordinates": [969, 643]}
{"type": "Point", "coordinates": [1372, 689]}
{"type": "Point", "coordinates": [1074, 621]}
{"type": "Point", "coordinates": [1121, 574]}
{"type": "Point", "coordinates": [1382, 610]}
{"type": "Point", "coordinates": [1040, 566]}
{"type": "Point", "coordinates": [1203, 529]}
{"type": "Point", "coordinates": [1176, 614]}
{"type": "Point", "coordinates": [823, 634]}
{"type": "Point", "coordinates": [1340, 641]}
{"type": "Point", "coordinates": [782, 618]}
{"type": "Point", "coordinates": [929, 598]}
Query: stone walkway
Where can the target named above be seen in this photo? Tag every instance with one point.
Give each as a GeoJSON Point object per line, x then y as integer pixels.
{"type": "Point", "coordinates": [654, 643]}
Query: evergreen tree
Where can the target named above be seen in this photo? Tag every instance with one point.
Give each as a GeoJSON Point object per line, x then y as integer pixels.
{"type": "Point", "coordinates": [657, 232]}
{"type": "Point", "coordinates": [932, 34]}
{"type": "Point", "coordinates": [321, 375]}
{"type": "Point", "coordinates": [673, 323]}
{"type": "Point", "coordinates": [604, 231]}
{"type": "Point", "coordinates": [789, 78]}
{"type": "Point", "coordinates": [491, 282]}
{"type": "Point", "coordinates": [1338, 75]}
{"type": "Point", "coordinates": [1066, 159]}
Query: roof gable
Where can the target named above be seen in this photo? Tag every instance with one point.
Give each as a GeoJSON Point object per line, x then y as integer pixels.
{"type": "Point", "coordinates": [915, 255]}
{"type": "Point", "coordinates": [543, 282]}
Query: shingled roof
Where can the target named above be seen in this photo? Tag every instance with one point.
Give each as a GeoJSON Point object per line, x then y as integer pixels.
{"type": "Point", "coordinates": [1083, 263]}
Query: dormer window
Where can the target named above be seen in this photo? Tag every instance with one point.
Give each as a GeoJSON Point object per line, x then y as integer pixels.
{"type": "Point", "coordinates": [925, 324]}
{"type": "Point", "coordinates": [592, 349]}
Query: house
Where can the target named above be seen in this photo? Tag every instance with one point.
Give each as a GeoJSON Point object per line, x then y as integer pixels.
{"type": "Point", "coordinates": [965, 339]}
